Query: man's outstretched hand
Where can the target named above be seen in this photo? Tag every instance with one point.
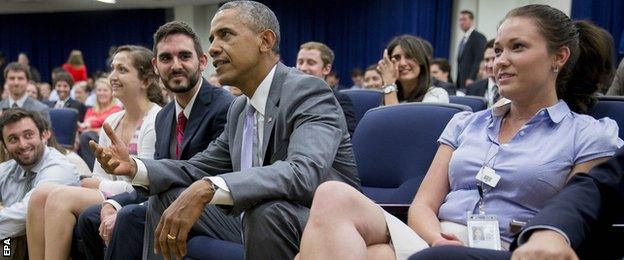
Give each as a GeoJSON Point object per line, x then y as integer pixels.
{"type": "Point", "coordinates": [115, 158]}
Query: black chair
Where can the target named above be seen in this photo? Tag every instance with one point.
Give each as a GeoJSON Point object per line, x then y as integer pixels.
{"type": "Point", "coordinates": [475, 102]}
{"type": "Point", "coordinates": [64, 123]}
{"type": "Point", "coordinates": [363, 100]}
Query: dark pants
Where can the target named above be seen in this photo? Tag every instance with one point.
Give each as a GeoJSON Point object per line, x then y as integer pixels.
{"type": "Point", "coordinates": [84, 150]}
{"type": "Point", "coordinates": [126, 241]}
{"type": "Point", "coordinates": [460, 252]}
{"type": "Point", "coordinates": [271, 230]}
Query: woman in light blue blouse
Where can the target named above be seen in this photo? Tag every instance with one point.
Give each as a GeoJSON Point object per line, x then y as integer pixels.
{"type": "Point", "coordinates": [534, 141]}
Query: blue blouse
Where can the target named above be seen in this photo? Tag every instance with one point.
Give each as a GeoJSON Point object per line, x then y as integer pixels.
{"type": "Point", "coordinates": [534, 165]}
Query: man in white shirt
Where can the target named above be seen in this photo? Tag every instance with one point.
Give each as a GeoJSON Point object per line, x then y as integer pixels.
{"type": "Point", "coordinates": [16, 77]}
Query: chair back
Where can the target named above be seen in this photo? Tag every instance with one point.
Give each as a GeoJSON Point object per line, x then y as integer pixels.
{"type": "Point", "coordinates": [475, 102]}
{"type": "Point", "coordinates": [612, 107]}
{"type": "Point", "coordinates": [394, 146]}
{"type": "Point", "coordinates": [64, 123]}
{"type": "Point", "coordinates": [363, 100]}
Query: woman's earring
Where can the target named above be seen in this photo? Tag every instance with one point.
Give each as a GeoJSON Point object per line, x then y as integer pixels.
{"type": "Point", "coordinates": [556, 70]}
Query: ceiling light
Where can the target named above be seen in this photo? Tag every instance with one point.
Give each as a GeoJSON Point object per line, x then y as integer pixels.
{"type": "Point", "coordinates": [107, 1]}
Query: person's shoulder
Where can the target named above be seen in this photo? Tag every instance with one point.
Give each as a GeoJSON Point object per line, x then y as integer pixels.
{"type": "Point", "coordinates": [114, 117]}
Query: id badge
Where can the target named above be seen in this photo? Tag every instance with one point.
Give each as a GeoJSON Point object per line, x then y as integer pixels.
{"type": "Point", "coordinates": [483, 231]}
{"type": "Point", "coordinates": [488, 176]}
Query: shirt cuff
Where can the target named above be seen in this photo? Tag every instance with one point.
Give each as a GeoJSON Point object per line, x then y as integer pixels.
{"type": "Point", "coordinates": [113, 203]}
{"type": "Point", "coordinates": [140, 178]}
{"type": "Point", "coordinates": [525, 234]}
{"type": "Point", "coordinates": [222, 196]}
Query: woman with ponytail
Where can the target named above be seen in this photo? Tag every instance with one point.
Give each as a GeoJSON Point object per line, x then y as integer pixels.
{"type": "Point", "coordinates": [548, 68]}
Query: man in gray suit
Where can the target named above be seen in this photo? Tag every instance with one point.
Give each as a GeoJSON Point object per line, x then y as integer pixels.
{"type": "Point", "coordinates": [17, 76]}
{"type": "Point", "coordinates": [283, 138]}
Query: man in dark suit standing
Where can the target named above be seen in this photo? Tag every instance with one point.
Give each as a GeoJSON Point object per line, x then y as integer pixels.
{"type": "Point", "coordinates": [17, 76]}
{"type": "Point", "coordinates": [186, 126]}
{"type": "Point", "coordinates": [486, 87]}
{"type": "Point", "coordinates": [282, 139]}
{"type": "Point", "coordinates": [470, 51]}
{"type": "Point", "coordinates": [316, 59]}
{"type": "Point", "coordinates": [63, 83]}
{"type": "Point", "coordinates": [573, 222]}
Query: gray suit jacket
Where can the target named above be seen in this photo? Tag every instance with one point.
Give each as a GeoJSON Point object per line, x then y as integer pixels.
{"type": "Point", "coordinates": [31, 105]}
{"type": "Point", "coordinates": [306, 142]}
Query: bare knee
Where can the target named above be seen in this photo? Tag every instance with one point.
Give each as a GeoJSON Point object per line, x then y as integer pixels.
{"type": "Point", "coordinates": [39, 196]}
{"type": "Point", "coordinates": [332, 200]}
{"type": "Point", "coordinates": [59, 199]}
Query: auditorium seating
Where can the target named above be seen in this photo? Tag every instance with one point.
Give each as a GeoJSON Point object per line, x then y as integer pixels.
{"type": "Point", "coordinates": [363, 100]}
{"type": "Point", "coordinates": [612, 107]}
{"type": "Point", "coordinates": [64, 122]}
{"type": "Point", "coordinates": [394, 146]}
{"type": "Point", "coordinates": [475, 102]}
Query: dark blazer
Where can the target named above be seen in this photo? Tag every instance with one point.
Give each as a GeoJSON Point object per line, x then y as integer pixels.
{"type": "Point", "coordinates": [206, 122]}
{"type": "Point", "coordinates": [478, 88]}
{"type": "Point", "coordinates": [347, 109]}
{"type": "Point", "coordinates": [306, 142]}
{"type": "Point", "coordinates": [587, 206]}
{"type": "Point", "coordinates": [449, 87]}
{"type": "Point", "coordinates": [468, 61]}
{"type": "Point", "coordinates": [75, 104]}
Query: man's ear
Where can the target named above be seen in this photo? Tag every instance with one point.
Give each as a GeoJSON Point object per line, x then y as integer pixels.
{"type": "Point", "coordinates": [326, 70]}
{"type": "Point", "coordinates": [268, 40]}
{"type": "Point", "coordinates": [45, 136]}
{"type": "Point", "coordinates": [154, 65]}
{"type": "Point", "coordinates": [203, 61]}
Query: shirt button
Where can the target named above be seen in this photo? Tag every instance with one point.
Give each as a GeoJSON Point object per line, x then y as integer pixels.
{"type": "Point", "coordinates": [542, 113]}
{"type": "Point", "coordinates": [521, 133]}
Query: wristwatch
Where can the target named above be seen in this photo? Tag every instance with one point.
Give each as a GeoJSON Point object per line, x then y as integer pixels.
{"type": "Point", "coordinates": [390, 88]}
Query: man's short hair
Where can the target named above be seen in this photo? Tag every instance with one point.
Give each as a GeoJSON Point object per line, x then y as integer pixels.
{"type": "Point", "coordinates": [257, 17]}
{"type": "Point", "coordinates": [334, 74]}
{"type": "Point", "coordinates": [489, 44]}
{"type": "Point", "coordinates": [355, 72]}
{"type": "Point", "coordinates": [63, 76]}
{"type": "Point", "coordinates": [177, 27]}
{"type": "Point", "coordinates": [14, 115]}
{"type": "Point", "coordinates": [15, 66]}
{"type": "Point", "coordinates": [327, 55]}
{"type": "Point", "coordinates": [469, 13]}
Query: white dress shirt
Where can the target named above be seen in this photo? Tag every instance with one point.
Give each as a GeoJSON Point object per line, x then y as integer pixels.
{"type": "Point", "coordinates": [258, 101]}
{"type": "Point", "coordinates": [20, 102]}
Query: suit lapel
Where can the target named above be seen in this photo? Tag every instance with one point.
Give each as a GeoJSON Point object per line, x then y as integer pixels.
{"type": "Point", "coordinates": [238, 135]}
{"type": "Point", "coordinates": [202, 101]}
{"type": "Point", "coordinates": [270, 110]}
{"type": "Point", "coordinates": [167, 133]}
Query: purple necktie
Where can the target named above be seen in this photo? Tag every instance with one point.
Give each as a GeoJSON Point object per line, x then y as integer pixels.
{"type": "Point", "coordinates": [248, 139]}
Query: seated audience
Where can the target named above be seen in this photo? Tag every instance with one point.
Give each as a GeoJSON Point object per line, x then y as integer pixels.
{"type": "Point", "coordinates": [316, 59]}
{"type": "Point", "coordinates": [487, 86]}
{"type": "Point", "coordinates": [448, 86]}
{"type": "Point", "coordinates": [372, 78]}
{"type": "Point", "coordinates": [190, 122]}
{"type": "Point", "coordinates": [75, 66]}
{"type": "Point", "coordinates": [33, 165]}
{"type": "Point", "coordinates": [105, 105]}
{"type": "Point", "coordinates": [34, 73]}
{"type": "Point", "coordinates": [405, 72]}
{"type": "Point", "coordinates": [45, 89]}
{"type": "Point", "coordinates": [527, 148]}
{"type": "Point", "coordinates": [81, 92]}
{"type": "Point", "coordinates": [52, 216]}
{"type": "Point", "coordinates": [17, 76]}
{"type": "Point", "coordinates": [441, 70]}
{"type": "Point", "coordinates": [63, 83]}
{"type": "Point", "coordinates": [33, 91]}
{"type": "Point", "coordinates": [357, 77]}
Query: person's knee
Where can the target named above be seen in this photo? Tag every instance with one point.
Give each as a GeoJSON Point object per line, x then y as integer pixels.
{"type": "Point", "coordinates": [58, 199]}
{"type": "Point", "coordinates": [270, 215]}
{"type": "Point", "coordinates": [330, 198]}
{"type": "Point", "coordinates": [39, 196]}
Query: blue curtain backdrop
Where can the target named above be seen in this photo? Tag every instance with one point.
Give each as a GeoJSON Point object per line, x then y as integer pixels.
{"type": "Point", "coordinates": [608, 14]}
{"type": "Point", "coordinates": [358, 31]}
{"type": "Point", "coordinates": [48, 38]}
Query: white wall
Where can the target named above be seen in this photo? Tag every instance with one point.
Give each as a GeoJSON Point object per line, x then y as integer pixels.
{"type": "Point", "coordinates": [199, 18]}
{"type": "Point", "coordinates": [488, 15]}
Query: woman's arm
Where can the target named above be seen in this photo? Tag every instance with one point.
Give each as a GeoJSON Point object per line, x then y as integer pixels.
{"type": "Point", "coordinates": [423, 213]}
{"type": "Point", "coordinates": [586, 166]}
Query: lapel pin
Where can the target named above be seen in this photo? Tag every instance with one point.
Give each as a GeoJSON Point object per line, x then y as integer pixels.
{"type": "Point", "coordinates": [269, 120]}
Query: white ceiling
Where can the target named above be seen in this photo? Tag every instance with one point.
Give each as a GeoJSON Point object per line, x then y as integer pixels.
{"type": "Point", "coordinates": [36, 6]}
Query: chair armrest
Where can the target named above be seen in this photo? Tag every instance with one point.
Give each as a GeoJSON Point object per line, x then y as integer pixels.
{"type": "Point", "coordinates": [397, 210]}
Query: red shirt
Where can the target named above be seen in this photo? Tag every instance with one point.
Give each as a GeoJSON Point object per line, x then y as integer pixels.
{"type": "Point", "coordinates": [97, 119]}
{"type": "Point", "coordinates": [78, 74]}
